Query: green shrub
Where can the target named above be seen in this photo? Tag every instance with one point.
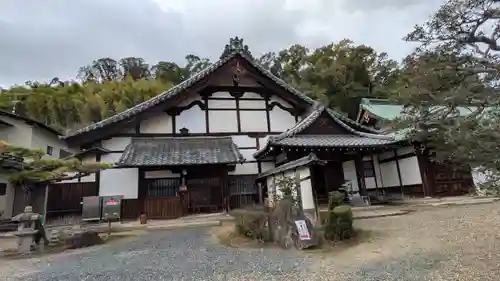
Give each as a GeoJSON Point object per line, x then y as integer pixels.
{"type": "Point", "coordinates": [335, 198]}
{"type": "Point", "coordinates": [338, 226]}
{"type": "Point", "coordinates": [251, 223]}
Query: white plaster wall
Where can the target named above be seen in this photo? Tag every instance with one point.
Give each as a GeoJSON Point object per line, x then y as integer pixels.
{"type": "Point", "coordinates": [410, 171]}
{"type": "Point", "coordinates": [253, 121]}
{"type": "Point", "coordinates": [350, 174]}
{"type": "Point", "coordinates": [266, 166]}
{"type": "Point", "coordinates": [159, 174]}
{"type": "Point", "coordinates": [221, 104]}
{"type": "Point", "coordinates": [221, 95]}
{"type": "Point", "coordinates": [251, 95]}
{"type": "Point", "coordinates": [159, 124]}
{"type": "Point", "coordinates": [193, 119]}
{"type": "Point", "coordinates": [225, 121]}
{"type": "Point", "coordinates": [306, 189]}
{"type": "Point", "coordinates": [253, 104]}
{"type": "Point", "coordinates": [281, 120]}
{"type": "Point", "coordinates": [116, 143]}
{"type": "Point", "coordinates": [244, 141]}
{"type": "Point", "coordinates": [245, 169]}
{"type": "Point", "coordinates": [248, 154]}
{"type": "Point", "coordinates": [119, 182]}
{"type": "Point", "coordinates": [19, 134]}
{"type": "Point", "coordinates": [42, 138]}
{"type": "Point", "coordinates": [111, 157]}
{"type": "Point", "coordinates": [389, 174]}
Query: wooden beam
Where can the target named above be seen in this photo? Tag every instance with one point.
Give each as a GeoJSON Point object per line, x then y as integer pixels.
{"type": "Point", "coordinates": [358, 164]}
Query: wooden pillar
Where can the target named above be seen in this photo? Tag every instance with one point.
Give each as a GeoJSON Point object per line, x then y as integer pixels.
{"type": "Point", "coordinates": [375, 174]}
{"type": "Point", "coordinates": [426, 174]}
{"type": "Point", "coordinates": [98, 175]}
{"type": "Point", "coordinates": [358, 163]}
{"type": "Point", "coordinates": [224, 189]}
{"type": "Point", "coordinates": [399, 172]}
{"type": "Point", "coordinates": [141, 191]}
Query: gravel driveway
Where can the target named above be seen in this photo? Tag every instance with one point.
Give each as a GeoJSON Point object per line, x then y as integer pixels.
{"type": "Point", "coordinates": [457, 243]}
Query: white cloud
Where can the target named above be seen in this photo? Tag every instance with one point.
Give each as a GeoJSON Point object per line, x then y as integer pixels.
{"type": "Point", "coordinates": [55, 37]}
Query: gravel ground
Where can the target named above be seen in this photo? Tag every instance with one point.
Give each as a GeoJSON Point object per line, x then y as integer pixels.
{"type": "Point", "coordinates": [452, 243]}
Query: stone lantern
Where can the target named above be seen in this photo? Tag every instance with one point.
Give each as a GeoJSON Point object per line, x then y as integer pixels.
{"type": "Point", "coordinates": [26, 229]}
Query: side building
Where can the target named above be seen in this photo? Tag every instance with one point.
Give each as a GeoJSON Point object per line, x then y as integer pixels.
{"type": "Point", "coordinates": [25, 132]}
{"type": "Point", "coordinates": [443, 180]}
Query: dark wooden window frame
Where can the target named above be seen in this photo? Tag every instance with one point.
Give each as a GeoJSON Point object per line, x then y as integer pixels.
{"type": "Point", "coordinates": [50, 150]}
{"type": "Point", "coordinates": [3, 189]}
{"type": "Point", "coordinates": [368, 169]}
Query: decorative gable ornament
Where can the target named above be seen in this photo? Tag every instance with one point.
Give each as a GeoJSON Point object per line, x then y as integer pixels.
{"type": "Point", "coordinates": [236, 45]}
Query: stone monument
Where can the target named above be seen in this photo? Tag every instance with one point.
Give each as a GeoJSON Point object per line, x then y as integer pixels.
{"type": "Point", "coordinates": [26, 229]}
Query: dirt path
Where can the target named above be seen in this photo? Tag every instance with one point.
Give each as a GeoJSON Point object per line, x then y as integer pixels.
{"type": "Point", "coordinates": [447, 243]}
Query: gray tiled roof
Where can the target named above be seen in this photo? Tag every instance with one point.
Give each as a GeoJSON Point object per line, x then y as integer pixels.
{"type": "Point", "coordinates": [180, 151]}
{"type": "Point", "coordinates": [174, 91]}
{"type": "Point", "coordinates": [357, 139]}
{"type": "Point", "coordinates": [333, 141]}
{"type": "Point", "coordinates": [308, 160]}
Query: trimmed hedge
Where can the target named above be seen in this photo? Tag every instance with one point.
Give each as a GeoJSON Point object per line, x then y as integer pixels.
{"type": "Point", "coordinates": [339, 225]}
{"type": "Point", "coordinates": [335, 198]}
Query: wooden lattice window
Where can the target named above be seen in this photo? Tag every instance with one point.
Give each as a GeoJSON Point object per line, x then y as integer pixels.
{"type": "Point", "coordinates": [368, 169]}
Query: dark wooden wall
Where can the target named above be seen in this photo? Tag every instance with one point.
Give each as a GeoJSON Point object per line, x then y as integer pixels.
{"type": "Point", "coordinates": [65, 198]}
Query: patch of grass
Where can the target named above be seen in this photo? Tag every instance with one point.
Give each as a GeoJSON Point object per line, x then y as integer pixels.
{"type": "Point", "coordinates": [227, 235]}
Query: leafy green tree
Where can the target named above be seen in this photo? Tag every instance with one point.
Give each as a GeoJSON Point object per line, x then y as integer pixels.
{"type": "Point", "coordinates": [168, 72]}
{"type": "Point", "coordinates": [450, 84]}
{"type": "Point", "coordinates": [30, 168]}
{"type": "Point", "coordinates": [100, 70]}
{"type": "Point", "coordinates": [134, 67]}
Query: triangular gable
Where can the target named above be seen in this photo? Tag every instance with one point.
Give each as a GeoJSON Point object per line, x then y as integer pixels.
{"type": "Point", "coordinates": [234, 50]}
{"type": "Point", "coordinates": [339, 128]}
{"type": "Point", "coordinates": [324, 121]}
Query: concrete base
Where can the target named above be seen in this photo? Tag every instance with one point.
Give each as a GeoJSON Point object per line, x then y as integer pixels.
{"type": "Point", "coordinates": [24, 244]}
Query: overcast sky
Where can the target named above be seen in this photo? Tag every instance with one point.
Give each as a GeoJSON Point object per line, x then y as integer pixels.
{"type": "Point", "coordinates": [42, 39]}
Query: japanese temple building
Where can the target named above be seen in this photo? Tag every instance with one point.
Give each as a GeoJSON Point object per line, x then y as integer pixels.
{"type": "Point", "coordinates": [203, 145]}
